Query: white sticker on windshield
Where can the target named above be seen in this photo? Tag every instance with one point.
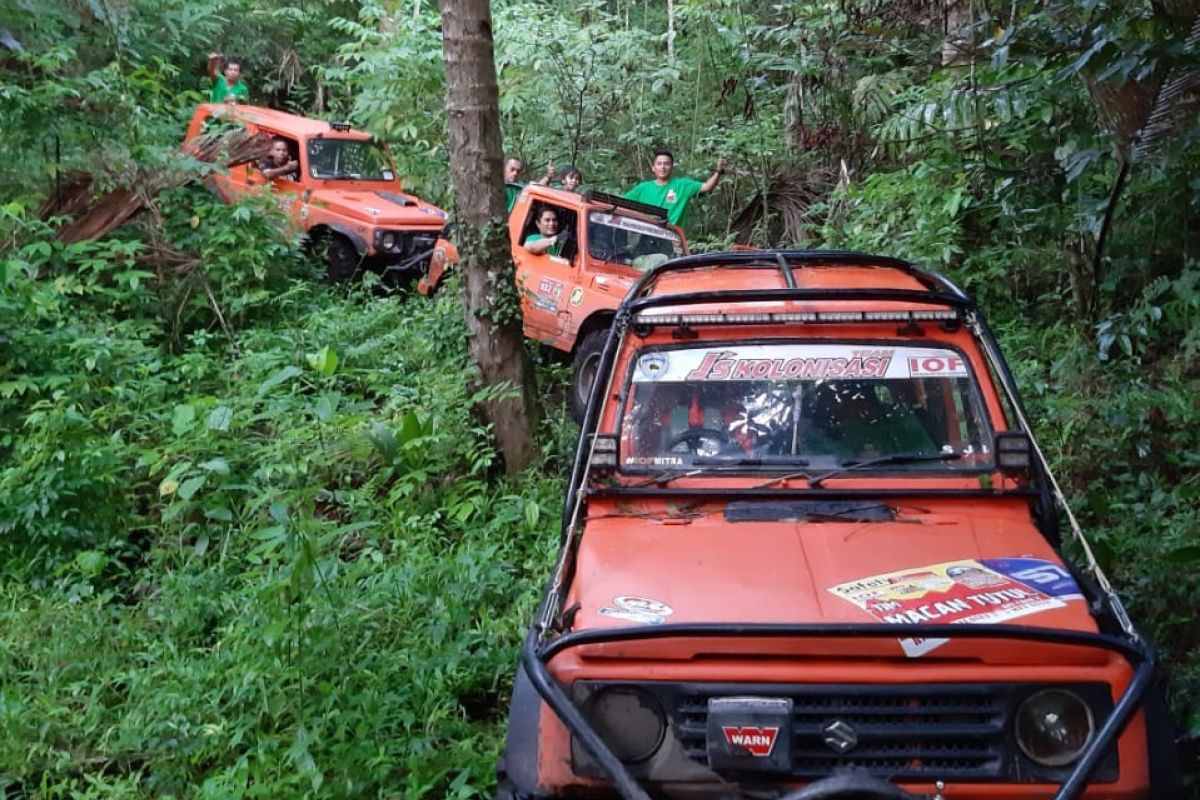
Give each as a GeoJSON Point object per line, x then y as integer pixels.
{"type": "Point", "coordinates": [631, 224]}
{"type": "Point", "coordinates": [797, 361]}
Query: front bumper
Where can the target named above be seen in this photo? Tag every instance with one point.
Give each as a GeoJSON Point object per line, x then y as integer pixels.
{"type": "Point", "coordinates": [538, 651]}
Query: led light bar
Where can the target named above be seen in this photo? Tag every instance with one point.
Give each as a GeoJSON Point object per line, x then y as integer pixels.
{"type": "Point", "coordinates": [775, 318]}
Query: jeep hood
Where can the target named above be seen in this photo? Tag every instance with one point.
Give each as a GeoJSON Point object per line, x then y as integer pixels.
{"type": "Point", "coordinates": [646, 571]}
{"type": "Point", "coordinates": [381, 207]}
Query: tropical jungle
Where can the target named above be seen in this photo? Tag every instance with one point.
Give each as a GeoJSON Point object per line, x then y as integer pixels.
{"type": "Point", "coordinates": [256, 541]}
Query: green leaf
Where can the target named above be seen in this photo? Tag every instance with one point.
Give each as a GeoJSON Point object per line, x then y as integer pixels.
{"type": "Point", "coordinates": [218, 465]}
{"type": "Point", "coordinates": [324, 361]}
{"type": "Point", "coordinates": [188, 488]}
{"type": "Point", "coordinates": [183, 419]}
{"type": "Point", "coordinates": [219, 418]}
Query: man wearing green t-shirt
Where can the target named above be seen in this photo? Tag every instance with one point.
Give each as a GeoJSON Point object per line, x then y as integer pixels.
{"type": "Point", "coordinates": [673, 194]}
{"type": "Point", "coordinates": [228, 85]}
{"type": "Point", "coordinates": [512, 188]}
{"type": "Point", "coordinates": [547, 240]}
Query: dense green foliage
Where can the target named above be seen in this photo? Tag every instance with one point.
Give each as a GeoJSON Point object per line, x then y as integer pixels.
{"type": "Point", "coordinates": [252, 541]}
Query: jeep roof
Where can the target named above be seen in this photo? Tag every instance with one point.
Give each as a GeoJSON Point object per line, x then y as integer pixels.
{"type": "Point", "coordinates": [808, 530]}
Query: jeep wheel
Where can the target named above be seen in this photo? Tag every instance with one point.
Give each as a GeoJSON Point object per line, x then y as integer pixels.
{"type": "Point", "coordinates": [342, 261]}
{"type": "Point", "coordinates": [587, 359]}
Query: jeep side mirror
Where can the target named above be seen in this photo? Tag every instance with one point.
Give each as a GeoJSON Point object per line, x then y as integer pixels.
{"type": "Point", "coordinates": [1014, 453]}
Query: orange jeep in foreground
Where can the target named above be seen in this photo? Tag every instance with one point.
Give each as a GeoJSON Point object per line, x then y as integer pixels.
{"type": "Point", "coordinates": [569, 299]}
{"type": "Point", "coordinates": [811, 550]}
{"type": "Point", "coordinates": [345, 194]}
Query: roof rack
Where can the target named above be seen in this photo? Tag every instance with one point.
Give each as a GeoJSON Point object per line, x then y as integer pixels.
{"type": "Point", "coordinates": [938, 288]}
{"type": "Point", "coordinates": [594, 196]}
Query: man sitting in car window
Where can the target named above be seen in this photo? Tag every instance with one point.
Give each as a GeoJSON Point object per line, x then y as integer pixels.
{"type": "Point", "coordinates": [279, 163]}
{"type": "Point", "coordinates": [548, 239]}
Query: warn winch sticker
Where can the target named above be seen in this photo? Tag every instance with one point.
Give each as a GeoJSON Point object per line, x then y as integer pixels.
{"type": "Point", "coordinates": [759, 742]}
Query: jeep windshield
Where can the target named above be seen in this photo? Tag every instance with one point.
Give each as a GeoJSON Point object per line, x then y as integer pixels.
{"type": "Point", "coordinates": [818, 406]}
{"type": "Point", "coordinates": [619, 239]}
{"type": "Point", "coordinates": [348, 159]}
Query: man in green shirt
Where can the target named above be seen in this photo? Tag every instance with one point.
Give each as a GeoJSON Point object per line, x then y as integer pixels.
{"type": "Point", "coordinates": [547, 240]}
{"type": "Point", "coordinates": [512, 188]}
{"type": "Point", "coordinates": [227, 85]}
{"type": "Point", "coordinates": [673, 194]}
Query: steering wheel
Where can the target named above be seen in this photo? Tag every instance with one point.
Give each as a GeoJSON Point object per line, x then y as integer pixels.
{"type": "Point", "coordinates": [694, 437]}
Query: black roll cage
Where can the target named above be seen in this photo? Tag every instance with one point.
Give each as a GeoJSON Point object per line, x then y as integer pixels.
{"type": "Point", "coordinates": [543, 643]}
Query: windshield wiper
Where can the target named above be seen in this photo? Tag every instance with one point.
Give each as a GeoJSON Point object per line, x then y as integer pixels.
{"type": "Point", "coordinates": [894, 458]}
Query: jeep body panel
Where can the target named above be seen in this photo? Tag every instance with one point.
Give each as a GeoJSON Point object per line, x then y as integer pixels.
{"type": "Point", "coordinates": [898, 614]}
{"type": "Point", "coordinates": [363, 211]}
{"type": "Point", "coordinates": [560, 295]}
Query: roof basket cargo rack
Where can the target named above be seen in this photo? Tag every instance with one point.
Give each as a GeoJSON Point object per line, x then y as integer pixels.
{"type": "Point", "coordinates": [593, 196]}
{"type": "Point", "coordinates": [937, 288]}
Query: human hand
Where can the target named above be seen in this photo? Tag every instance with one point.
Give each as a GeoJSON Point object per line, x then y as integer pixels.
{"type": "Point", "coordinates": [292, 164]}
{"type": "Point", "coordinates": [721, 164]}
{"type": "Point", "coordinates": [213, 55]}
{"type": "Point", "coordinates": [550, 171]}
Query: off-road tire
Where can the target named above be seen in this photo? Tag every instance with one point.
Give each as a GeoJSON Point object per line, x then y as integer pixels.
{"type": "Point", "coordinates": [586, 362]}
{"type": "Point", "coordinates": [342, 261]}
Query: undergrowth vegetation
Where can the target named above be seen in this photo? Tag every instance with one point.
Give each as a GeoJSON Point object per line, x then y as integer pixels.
{"type": "Point", "coordinates": [253, 540]}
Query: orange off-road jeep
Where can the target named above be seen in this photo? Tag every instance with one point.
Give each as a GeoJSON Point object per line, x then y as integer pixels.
{"type": "Point", "coordinates": [569, 300]}
{"type": "Point", "coordinates": [346, 195]}
{"type": "Point", "coordinates": [811, 550]}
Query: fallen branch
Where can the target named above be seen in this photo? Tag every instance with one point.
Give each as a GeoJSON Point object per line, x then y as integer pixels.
{"type": "Point", "coordinates": [97, 217]}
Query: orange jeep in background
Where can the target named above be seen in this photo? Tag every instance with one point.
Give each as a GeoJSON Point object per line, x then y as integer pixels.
{"type": "Point", "coordinates": [569, 300]}
{"type": "Point", "coordinates": [811, 551]}
{"type": "Point", "coordinates": [347, 196]}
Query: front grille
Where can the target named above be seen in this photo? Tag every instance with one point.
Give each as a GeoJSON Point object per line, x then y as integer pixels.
{"type": "Point", "coordinates": [942, 731]}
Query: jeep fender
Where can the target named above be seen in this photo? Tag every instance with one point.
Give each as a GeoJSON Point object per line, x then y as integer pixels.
{"type": "Point", "coordinates": [360, 244]}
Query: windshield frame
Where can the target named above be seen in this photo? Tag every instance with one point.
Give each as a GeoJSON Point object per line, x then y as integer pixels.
{"type": "Point", "coordinates": [315, 141]}
{"type": "Point", "coordinates": [934, 468]}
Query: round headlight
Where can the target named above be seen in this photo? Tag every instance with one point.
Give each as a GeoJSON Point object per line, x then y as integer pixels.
{"type": "Point", "coordinates": [388, 240]}
{"type": "Point", "coordinates": [1054, 726]}
{"type": "Point", "coordinates": [629, 720]}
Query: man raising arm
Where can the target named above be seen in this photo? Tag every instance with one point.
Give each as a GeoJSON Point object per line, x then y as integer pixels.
{"type": "Point", "coordinates": [671, 193]}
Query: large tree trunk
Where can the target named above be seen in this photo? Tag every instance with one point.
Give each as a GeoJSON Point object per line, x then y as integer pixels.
{"type": "Point", "coordinates": [489, 295]}
{"type": "Point", "coordinates": [957, 44]}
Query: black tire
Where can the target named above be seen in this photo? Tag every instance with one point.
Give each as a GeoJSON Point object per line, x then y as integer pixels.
{"type": "Point", "coordinates": [587, 360]}
{"type": "Point", "coordinates": [342, 260]}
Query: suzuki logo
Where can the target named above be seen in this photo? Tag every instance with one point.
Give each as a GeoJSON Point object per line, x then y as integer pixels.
{"type": "Point", "coordinates": [840, 737]}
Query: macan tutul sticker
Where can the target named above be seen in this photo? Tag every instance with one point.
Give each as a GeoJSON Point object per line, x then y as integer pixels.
{"type": "Point", "coordinates": [979, 591]}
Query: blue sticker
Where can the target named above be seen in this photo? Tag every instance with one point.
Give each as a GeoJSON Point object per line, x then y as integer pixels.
{"type": "Point", "coordinates": [1037, 573]}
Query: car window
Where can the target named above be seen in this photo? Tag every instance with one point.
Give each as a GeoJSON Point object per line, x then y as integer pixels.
{"type": "Point", "coordinates": [348, 159]}
{"type": "Point", "coordinates": [619, 239]}
{"type": "Point", "coordinates": [823, 404]}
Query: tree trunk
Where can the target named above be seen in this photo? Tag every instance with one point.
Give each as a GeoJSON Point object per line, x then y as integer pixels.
{"type": "Point", "coordinates": [957, 44]}
{"type": "Point", "coordinates": [490, 299]}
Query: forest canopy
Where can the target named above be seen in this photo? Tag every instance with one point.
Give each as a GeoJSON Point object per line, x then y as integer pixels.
{"type": "Point", "coordinates": [252, 540]}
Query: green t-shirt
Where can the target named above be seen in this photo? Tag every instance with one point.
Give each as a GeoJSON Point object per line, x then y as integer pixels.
{"type": "Point", "coordinates": [553, 250]}
{"type": "Point", "coordinates": [511, 192]}
{"type": "Point", "coordinates": [672, 195]}
{"type": "Point", "coordinates": [221, 91]}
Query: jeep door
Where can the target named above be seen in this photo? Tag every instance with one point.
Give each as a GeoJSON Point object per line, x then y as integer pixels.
{"type": "Point", "coordinates": [548, 283]}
